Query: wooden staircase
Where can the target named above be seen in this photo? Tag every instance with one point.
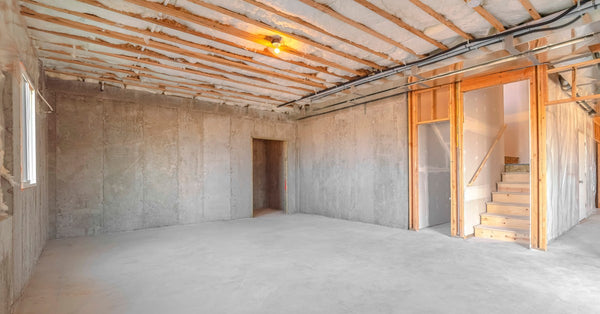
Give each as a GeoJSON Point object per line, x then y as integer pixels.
{"type": "Point", "coordinates": [507, 215]}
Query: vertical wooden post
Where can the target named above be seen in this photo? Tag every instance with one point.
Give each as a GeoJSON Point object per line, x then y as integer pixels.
{"type": "Point", "coordinates": [413, 162]}
{"type": "Point", "coordinates": [460, 193]}
{"type": "Point", "coordinates": [453, 169]}
{"type": "Point", "coordinates": [542, 91]}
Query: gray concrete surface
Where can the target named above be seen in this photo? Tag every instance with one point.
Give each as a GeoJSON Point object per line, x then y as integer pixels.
{"type": "Point", "coordinates": [130, 160]}
{"type": "Point", "coordinates": [312, 264]}
{"type": "Point", "coordinates": [353, 163]}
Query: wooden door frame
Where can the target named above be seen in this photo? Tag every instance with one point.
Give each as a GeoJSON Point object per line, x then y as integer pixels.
{"type": "Point", "coordinates": [537, 94]}
{"type": "Point", "coordinates": [413, 157]}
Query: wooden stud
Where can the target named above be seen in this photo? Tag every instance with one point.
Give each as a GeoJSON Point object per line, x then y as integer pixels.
{"type": "Point", "coordinates": [413, 148]}
{"type": "Point", "coordinates": [542, 97]}
{"type": "Point", "coordinates": [453, 178]}
{"type": "Point", "coordinates": [314, 27]}
{"type": "Point", "coordinates": [160, 45]}
{"type": "Point", "coordinates": [532, 11]}
{"type": "Point", "coordinates": [302, 39]}
{"type": "Point", "coordinates": [229, 30]}
{"type": "Point", "coordinates": [573, 82]}
{"type": "Point", "coordinates": [398, 21]}
{"type": "Point", "coordinates": [489, 17]}
{"type": "Point", "coordinates": [329, 11]}
{"type": "Point", "coordinates": [460, 120]}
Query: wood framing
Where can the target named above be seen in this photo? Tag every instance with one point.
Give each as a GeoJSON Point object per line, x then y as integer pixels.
{"type": "Point", "coordinates": [572, 68]}
{"type": "Point", "coordinates": [316, 28]}
{"type": "Point", "coordinates": [416, 118]}
{"type": "Point", "coordinates": [537, 152]}
{"type": "Point", "coordinates": [442, 19]}
{"type": "Point", "coordinates": [329, 11]}
{"type": "Point", "coordinates": [489, 17]}
{"type": "Point", "coordinates": [530, 9]}
{"type": "Point", "coordinates": [398, 21]}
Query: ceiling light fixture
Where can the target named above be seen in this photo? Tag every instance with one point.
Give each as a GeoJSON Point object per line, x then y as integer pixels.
{"type": "Point", "coordinates": [276, 42]}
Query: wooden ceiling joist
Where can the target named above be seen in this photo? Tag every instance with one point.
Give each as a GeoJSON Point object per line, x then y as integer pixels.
{"type": "Point", "coordinates": [331, 12]}
{"type": "Point", "coordinates": [141, 71]}
{"type": "Point", "coordinates": [147, 60]}
{"type": "Point", "coordinates": [158, 45]}
{"type": "Point", "coordinates": [489, 17]}
{"type": "Point", "coordinates": [176, 12]}
{"type": "Point", "coordinates": [184, 29]}
{"type": "Point", "coordinates": [398, 21]}
{"type": "Point", "coordinates": [299, 38]}
{"type": "Point", "coordinates": [532, 11]}
{"type": "Point", "coordinates": [442, 19]}
{"type": "Point", "coordinates": [155, 64]}
{"type": "Point", "coordinates": [316, 28]}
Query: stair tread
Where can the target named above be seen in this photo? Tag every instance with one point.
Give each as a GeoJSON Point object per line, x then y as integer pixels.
{"type": "Point", "coordinates": [519, 217]}
{"type": "Point", "coordinates": [508, 204]}
{"type": "Point", "coordinates": [516, 193]}
{"type": "Point", "coordinates": [515, 172]}
{"type": "Point", "coordinates": [524, 231]}
{"type": "Point", "coordinates": [511, 182]}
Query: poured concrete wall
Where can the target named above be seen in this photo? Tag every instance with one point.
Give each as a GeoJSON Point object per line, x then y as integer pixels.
{"type": "Point", "coordinates": [268, 174]}
{"type": "Point", "coordinates": [23, 232]}
{"type": "Point", "coordinates": [129, 160]}
{"type": "Point", "coordinates": [353, 163]}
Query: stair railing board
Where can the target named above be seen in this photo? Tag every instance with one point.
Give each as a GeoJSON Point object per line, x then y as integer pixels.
{"type": "Point", "coordinates": [487, 156]}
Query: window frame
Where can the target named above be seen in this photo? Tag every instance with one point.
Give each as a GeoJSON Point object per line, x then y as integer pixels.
{"type": "Point", "coordinates": [27, 129]}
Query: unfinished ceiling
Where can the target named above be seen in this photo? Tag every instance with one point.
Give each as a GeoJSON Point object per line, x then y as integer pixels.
{"type": "Point", "coordinates": [223, 51]}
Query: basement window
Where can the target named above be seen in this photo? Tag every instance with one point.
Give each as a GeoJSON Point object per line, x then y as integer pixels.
{"type": "Point", "coordinates": [28, 149]}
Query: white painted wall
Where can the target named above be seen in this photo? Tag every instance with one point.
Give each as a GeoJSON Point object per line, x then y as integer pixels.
{"type": "Point", "coordinates": [483, 111]}
{"type": "Point", "coordinates": [516, 118]}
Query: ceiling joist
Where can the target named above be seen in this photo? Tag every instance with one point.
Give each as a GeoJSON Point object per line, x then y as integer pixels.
{"type": "Point", "coordinates": [489, 17]}
{"type": "Point", "coordinates": [532, 11]}
{"type": "Point", "coordinates": [442, 19]}
{"type": "Point", "coordinates": [329, 11]}
{"type": "Point", "coordinates": [398, 21]}
{"type": "Point", "coordinates": [230, 30]}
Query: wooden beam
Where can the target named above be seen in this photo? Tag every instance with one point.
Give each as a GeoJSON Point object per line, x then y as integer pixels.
{"type": "Point", "coordinates": [398, 21]}
{"type": "Point", "coordinates": [329, 11]}
{"type": "Point", "coordinates": [489, 17]}
{"type": "Point", "coordinates": [318, 29]}
{"type": "Point", "coordinates": [155, 55]}
{"type": "Point", "coordinates": [206, 87]}
{"type": "Point", "coordinates": [487, 155]}
{"type": "Point", "coordinates": [184, 29]}
{"type": "Point", "coordinates": [532, 11]}
{"type": "Point", "coordinates": [572, 66]}
{"type": "Point", "coordinates": [542, 206]}
{"type": "Point", "coordinates": [229, 30]}
{"type": "Point", "coordinates": [150, 42]}
{"type": "Point", "coordinates": [442, 19]}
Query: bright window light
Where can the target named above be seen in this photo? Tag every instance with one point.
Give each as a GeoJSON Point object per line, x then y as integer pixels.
{"type": "Point", "coordinates": [28, 143]}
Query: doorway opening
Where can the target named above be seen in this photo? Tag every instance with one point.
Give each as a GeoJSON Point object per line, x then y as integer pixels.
{"type": "Point", "coordinates": [496, 159]}
{"type": "Point", "coordinates": [268, 177]}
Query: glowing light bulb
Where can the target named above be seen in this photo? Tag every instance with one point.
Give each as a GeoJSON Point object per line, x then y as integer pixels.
{"type": "Point", "coordinates": [276, 50]}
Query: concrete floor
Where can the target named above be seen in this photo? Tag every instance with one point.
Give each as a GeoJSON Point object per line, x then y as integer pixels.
{"type": "Point", "coordinates": [312, 264]}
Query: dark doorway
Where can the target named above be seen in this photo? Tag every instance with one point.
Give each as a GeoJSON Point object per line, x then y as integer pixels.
{"type": "Point", "coordinates": [268, 177]}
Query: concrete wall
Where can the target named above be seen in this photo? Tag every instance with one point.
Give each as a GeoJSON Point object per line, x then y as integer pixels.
{"type": "Point", "coordinates": [268, 174]}
{"type": "Point", "coordinates": [129, 160]}
{"type": "Point", "coordinates": [24, 231]}
{"type": "Point", "coordinates": [484, 117]}
{"type": "Point", "coordinates": [353, 163]}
